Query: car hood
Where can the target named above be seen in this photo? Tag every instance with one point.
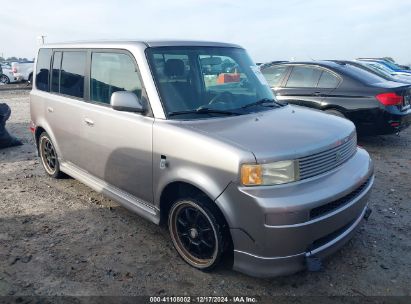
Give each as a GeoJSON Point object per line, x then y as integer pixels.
{"type": "Point", "coordinates": [284, 133]}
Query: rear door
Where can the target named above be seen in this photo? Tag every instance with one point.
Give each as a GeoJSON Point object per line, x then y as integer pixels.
{"type": "Point", "coordinates": [65, 104]}
{"type": "Point", "coordinates": [305, 86]}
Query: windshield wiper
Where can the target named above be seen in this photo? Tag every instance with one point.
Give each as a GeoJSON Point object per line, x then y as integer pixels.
{"type": "Point", "coordinates": [263, 102]}
{"type": "Point", "coordinates": [203, 111]}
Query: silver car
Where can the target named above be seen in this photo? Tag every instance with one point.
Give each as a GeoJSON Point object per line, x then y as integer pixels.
{"type": "Point", "coordinates": [189, 135]}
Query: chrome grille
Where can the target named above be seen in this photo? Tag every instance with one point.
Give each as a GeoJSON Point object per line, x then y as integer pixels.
{"type": "Point", "coordinates": [327, 160]}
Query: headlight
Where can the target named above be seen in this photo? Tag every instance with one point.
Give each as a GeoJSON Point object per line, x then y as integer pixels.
{"type": "Point", "coordinates": [277, 173]}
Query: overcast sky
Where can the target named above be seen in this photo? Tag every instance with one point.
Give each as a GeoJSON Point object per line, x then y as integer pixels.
{"type": "Point", "coordinates": [270, 30]}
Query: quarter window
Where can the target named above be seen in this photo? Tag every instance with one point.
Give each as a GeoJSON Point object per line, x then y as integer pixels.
{"type": "Point", "coordinates": [303, 77]}
{"type": "Point", "coordinates": [72, 74]}
{"type": "Point", "coordinates": [43, 69]}
{"type": "Point", "coordinates": [274, 75]}
{"type": "Point", "coordinates": [113, 72]}
{"type": "Point", "coordinates": [328, 81]}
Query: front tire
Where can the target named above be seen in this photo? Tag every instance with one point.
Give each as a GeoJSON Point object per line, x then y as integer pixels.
{"type": "Point", "coordinates": [196, 232]}
{"type": "Point", "coordinates": [4, 79]}
{"type": "Point", "coordinates": [48, 156]}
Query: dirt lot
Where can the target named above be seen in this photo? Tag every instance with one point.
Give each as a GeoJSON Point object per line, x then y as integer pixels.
{"type": "Point", "coordinates": [58, 237]}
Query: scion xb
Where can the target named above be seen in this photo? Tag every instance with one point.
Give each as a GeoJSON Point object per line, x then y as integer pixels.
{"type": "Point", "coordinates": [189, 135]}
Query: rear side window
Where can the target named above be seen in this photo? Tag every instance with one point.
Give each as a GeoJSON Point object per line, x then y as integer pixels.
{"type": "Point", "coordinates": [274, 75]}
{"type": "Point", "coordinates": [43, 70]}
{"type": "Point", "coordinates": [72, 73]}
{"type": "Point", "coordinates": [328, 81]}
{"type": "Point", "coordinates": [303, 77]}
{"type": "Point", "coordinates": [112, 72]}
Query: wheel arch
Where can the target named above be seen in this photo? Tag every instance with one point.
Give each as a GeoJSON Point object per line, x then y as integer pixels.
{"type": "Point", "coordinates": [334, 107]}
{"type": "Point", "coordinates": [182, 189]}
{"type": "Point", "coordinates": [40, 128]}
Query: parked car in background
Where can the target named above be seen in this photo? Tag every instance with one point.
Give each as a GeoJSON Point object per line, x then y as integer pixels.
{"type": "Point", "coordinates": [374, 104]}
{"type": "Point", "coordinates": [23, 71]}
{"type": "Point", "coordinates": [379, 71]}
{"type": "Point", "coordinates": [388, 59]}
{"type": "Point", "coordinates": [213, 157]}
{"type": "Point", "coordinates": [390, 65]}
{"type": "Point", "coordinates": [7, 75]}
{"type": "Point", "coordinates": [386, 69]}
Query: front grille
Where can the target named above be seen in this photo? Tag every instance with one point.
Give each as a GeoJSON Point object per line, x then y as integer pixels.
{"type": "Point", "coordinates": [327, 160]}
{"type": "Point", "coordinates": [327, 208]}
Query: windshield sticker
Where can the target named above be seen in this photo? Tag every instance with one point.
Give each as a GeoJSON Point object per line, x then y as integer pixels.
{"type": "Point", "coordinates": [259, 75]}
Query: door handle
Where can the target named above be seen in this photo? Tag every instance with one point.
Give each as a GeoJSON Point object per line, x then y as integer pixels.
{"type": "Point", "coordinates": [318, 94]}
{"type": "Point", "coordinates": [50, 109]}
{"type": "Point", "coordinates": [89, 122]}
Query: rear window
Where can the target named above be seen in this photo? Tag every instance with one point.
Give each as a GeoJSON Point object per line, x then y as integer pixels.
{"type": "Point", "coordinates": [73, 67]}
{"type": "Point", "coordinates": [361, 75]}
{"type": "Point", "coordinates": [43, 70]}
{"type": "Point", "coordinates": [303, 77]}
{"type": "Point", "coordinates": [328, 81]}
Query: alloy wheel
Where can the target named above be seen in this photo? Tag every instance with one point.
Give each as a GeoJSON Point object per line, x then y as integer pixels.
{"type": "Point", "coordinates": [193, 234]}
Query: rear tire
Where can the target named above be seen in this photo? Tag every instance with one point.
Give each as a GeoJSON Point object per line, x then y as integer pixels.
{"type": "Point", "coordinates": [30, 79]}
{"type": "Point", "coordinates": [49, 157]}
{"type": "Point", "coordinates": [197, 233]}
{"type": "Point", "coordinates": [335, 113]}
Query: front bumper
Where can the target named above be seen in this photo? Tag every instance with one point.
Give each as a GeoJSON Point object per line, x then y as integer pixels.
{"type": "Point", "coordinates": [275, 266]}
{"type": "Point", "coordinates": [274, 229]}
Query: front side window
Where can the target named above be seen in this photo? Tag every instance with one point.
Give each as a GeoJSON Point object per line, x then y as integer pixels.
{"type": "Point", "coordinates": [43, 69]}
{"type": "Point", "coordinates": [274, 75]}
{"type": "Point", "coordinates": [112, 72]}
{"type": "Point", "coordinates": [303, 77]}
{"type": "Point", "coordinates": [199, 82]}
{"type": "Point", "coordinates": [72, 73]}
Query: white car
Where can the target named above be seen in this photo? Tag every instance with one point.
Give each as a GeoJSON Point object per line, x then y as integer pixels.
{"type": "Point", "coordinates": [23, 70]}
{"type": "Point", "coordinates": [7, 76]}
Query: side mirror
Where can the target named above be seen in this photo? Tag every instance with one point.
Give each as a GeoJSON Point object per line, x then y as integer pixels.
{"type": "Point", "coordinates": [127, 102]}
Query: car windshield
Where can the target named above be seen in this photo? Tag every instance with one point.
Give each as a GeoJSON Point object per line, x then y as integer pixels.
{"type": "Point", "coordinates": [203, 82]}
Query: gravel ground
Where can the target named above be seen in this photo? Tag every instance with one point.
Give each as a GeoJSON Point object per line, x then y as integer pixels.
{"type": "Point", "coordinates": [58, 237]}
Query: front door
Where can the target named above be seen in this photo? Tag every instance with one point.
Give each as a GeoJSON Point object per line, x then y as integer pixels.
{"type": "Point", "coordinates": [118, 145]}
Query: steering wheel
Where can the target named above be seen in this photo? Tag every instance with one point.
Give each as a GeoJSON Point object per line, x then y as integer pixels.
{"type": "Point", "coordinates": [225, 97]}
